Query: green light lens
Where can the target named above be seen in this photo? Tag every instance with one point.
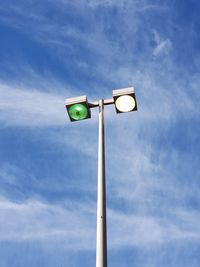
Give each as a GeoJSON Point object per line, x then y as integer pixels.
{"type": "Point", "coordinates": [78, 112]}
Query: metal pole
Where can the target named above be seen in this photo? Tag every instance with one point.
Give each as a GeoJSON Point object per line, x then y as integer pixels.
{"type": "Point", "coordinates": [101, 246]}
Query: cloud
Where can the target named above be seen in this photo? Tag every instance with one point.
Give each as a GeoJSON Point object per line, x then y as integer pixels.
{"type": "Point", "coordinates": [22, 107]}
{"type": "Point", "coordinates": [135, 6]}
{"type": "Point", "coordinates": [64, 35]}
{"type": "Point", "coordinates": [162, 46]}
{"type": "Point", "coordinates": [107, 3]}
{"type": "Point", "coordinates": [136, 230]}
{"type": "Point", "coordinates": [152, 162]}
{"type": "Point", "coordinates": [72, 225]}
{"type": "Point", "coordinates": [8, 174]}
{"type": "Point", "coordinates": [35, 220]}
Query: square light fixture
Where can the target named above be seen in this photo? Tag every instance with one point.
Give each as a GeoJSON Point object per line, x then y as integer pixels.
{"type": "Point", "coordinates": [78, 108]}
{"type": "Point", "coordinates": [125, 100]}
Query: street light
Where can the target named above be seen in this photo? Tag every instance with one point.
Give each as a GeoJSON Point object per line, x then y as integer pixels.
{"type": "Point", "coordinates": [78, 108]}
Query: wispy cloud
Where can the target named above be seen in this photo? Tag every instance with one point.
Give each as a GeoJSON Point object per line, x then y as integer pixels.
{"type": "Point", "coordinates": [136, 6]}
{"type": "Point", "coordinates": [72, 225]}
{"type": "Point", "coordinates": [142, 231]}
{"type": "Point", "coordinates": [22, 107]}
{"type": "Point", "coordinates": [152, 160]}
{"type": "Point", "coordinates": [162, 46]}
{"type": "Point", "coordinates": [35, 220]}
{"type": "Point", "coordinates": [97, 39]}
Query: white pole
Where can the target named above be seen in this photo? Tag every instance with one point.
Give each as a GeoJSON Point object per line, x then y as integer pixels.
{"type": "Point", "coordinates": [101, 246]}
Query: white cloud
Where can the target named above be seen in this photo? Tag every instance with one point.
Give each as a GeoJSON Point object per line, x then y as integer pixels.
{"type": "Point", "coordinates": [57, 33]}
{"type": "Point", "coordinates": [25, 107]}
{"type": "Point", "coordinates": [72, 225]}
{"type": "Point", "coordinates": [35, 220]}
{"type": "Point", "coordinates": [133, 230]}
{"type": "Point", "coordinates": [162, 46]}
{"type": "Point", "coordinates": [161, 102]}
{"type": "Point", "coordinates": [8, 173]}
{"type": "Point", "coordinates": [106, 3]}
{"type": "Point", "coordinates": [135, 6]}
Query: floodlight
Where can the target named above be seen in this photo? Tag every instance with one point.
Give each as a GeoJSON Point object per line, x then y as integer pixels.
{"type": "Point", "coordinates": [78, 108]}
{"type": "Point", "coordinates": [125, 100]}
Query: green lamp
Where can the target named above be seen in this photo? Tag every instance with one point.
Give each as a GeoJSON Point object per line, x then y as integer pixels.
{"type": "Point", "coordinates": [78, 108]}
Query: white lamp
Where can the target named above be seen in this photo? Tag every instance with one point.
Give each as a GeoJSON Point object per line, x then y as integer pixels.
{"type": "Point", "coordinates": [125, 100]}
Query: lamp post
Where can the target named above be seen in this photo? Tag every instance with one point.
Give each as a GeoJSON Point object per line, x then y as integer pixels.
{"type": "Point", "coordinates": [78, 108]}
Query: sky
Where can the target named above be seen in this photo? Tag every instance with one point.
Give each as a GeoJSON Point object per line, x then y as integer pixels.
{"type": "Point", "coordinates": [53, 50]}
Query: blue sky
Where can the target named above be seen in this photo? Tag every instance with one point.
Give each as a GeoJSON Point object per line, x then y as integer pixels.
{"type": "Point", "coordinates": [52, 50]}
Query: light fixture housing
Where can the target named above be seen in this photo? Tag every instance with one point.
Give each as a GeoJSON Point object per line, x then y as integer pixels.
{"type": "Point", "coordinates": [78, 108]}
{"type": "Point", "coordinates": [125, 100]}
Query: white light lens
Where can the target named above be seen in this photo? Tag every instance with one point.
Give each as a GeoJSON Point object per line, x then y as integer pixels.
{"type": "Point", "coordinates": [125, 103]}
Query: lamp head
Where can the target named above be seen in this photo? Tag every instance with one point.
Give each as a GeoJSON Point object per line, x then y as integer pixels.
{"type": "Point", "coordinates": [78, 108]}
{"type": "Point", "coordinates": [125, 100]}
